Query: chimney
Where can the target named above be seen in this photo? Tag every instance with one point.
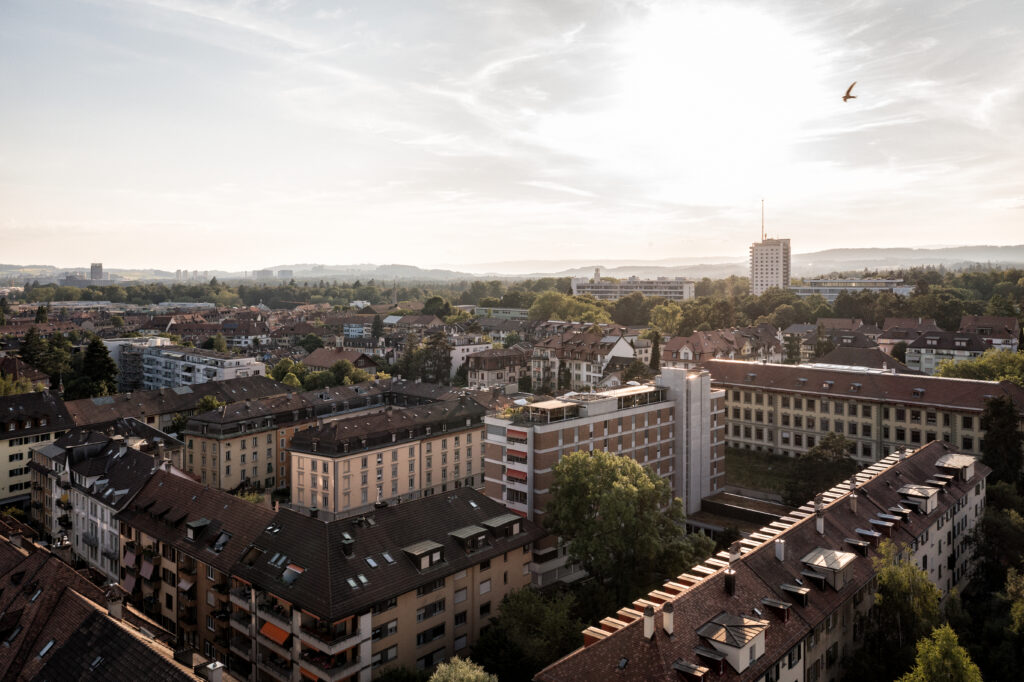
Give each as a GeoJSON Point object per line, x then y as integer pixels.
{"type": "Point", "coordinates": [780, 549]}
{"type": "Point", "coordinates": [115, 602]}
{"type": "Point", "coordinates": [347, 546]}
{"type": "Point", "coordinates": [649, 622]}
{"type": "Point", "coordinates": [730, 581]}
{"type": "Point", "coordinates": [213, 671]}
{"type": "Point", "coordinates": [313, 512]}
{"type": "Point", "coordinates": [668, 618]}
{"type": "Point", "coordinates": [853, 494]}
{"type": "Point", "coordinates": [819, 514]}
{"type": "Point", "coordinates": [734, 552]}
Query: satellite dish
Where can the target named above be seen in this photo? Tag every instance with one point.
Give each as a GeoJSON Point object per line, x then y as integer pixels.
{"type": "Point", "coordinates": [521, 402]}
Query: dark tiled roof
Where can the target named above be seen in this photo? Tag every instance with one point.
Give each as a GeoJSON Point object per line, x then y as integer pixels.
{"type": "Point", "coordinates": [167, 503]}
{"type": "Point", "coordinates": [864, 357]}
{"type": "Point", "coordinates": [1001, 327]}
{"type": "Point", "coordinates": [27, 410]}
{"type": "Point", "coordinates": [315, 546]}
{"type": "Point", "coordinates": [760, 574]}
{"type": "Point", "coordinates": [327, 357]}
{"type": "Point", "coordinates": [966, 394]}
{"type": "Point", "coordinates": [140, 404]}
{"type": "Point", "coordinates": [965, 341]}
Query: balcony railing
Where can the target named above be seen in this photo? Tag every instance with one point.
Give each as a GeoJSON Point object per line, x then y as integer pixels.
{"type": "Point", "coordinates": [240, 646]}
{"type": "Point", "coordinates": [240, 596]}
{"type": "Point", "coordinates": [271, 645]}
{"type": "Point", "coordinates": [242, 621]}
{"type": "Point", "coordinates": [329, 643]}
{"type": "Point", "coordinates": [328, 670]}
{"type": "Point", "coordinates": [276, 669]}
{"type": "Point", "coordinates": [277, 615]}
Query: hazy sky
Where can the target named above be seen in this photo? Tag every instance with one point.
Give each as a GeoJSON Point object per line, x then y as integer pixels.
{"type": "Point", "coordinates": [196, 134]}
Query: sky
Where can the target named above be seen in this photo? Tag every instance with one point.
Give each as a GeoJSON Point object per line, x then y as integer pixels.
{"type": "Point", "coordinates": [240, 135]}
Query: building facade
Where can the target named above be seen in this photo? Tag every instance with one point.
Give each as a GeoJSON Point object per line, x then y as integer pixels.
{"type": "Point", "coordinates": [172, 366]}
{"type": "Point", "coordinates": [788, 409]}
{"type": "Point", "coordinates": [769, 265]}
{"type": "Point", "coordinates": [675, 427]}
{"type": "Point", "coordinates": [498, 367]}
{"type": "Point", "coordinates": [608, 289]}
{"type": "Point", "coordinates": [742, 615]}
{"type": "Point", "coordinates": [930, 349]}
{"type": "Point", "coordinates": [829, 289]}
{"type": "Point", "coordinates": [25, 420]}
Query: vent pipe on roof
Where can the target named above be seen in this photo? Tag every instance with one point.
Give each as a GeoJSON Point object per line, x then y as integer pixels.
{"type": "Point", "coordinates": [668, 618]}
{"type": "Point", "coordinates": [730, 581]}
{"type": "Point", "coordinates": [780, 549]}
{"type": "Point", "coordinates": [819, 514]}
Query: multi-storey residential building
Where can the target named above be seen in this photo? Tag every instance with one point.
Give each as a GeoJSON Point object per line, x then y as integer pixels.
{"type": "Point", "coordinates": [829, 289]}
{"type": "Point", "coordinates": [502, 313]}
{"type": "Point", "coordinates": [26, 419]}
{"type": "Point", "coordinates": [158, 408]}
{"type": "Point", "coordinates": [498, 367]}
{"type": "Point", "coordinates": [57, 625]}
{"type": "Point", "coordinates": [928, 350]}
{"type": "Point", "coordinates": [1001, 333]}
{"type": "Point", "coordinates": [575, 359]}
{"type": "Point", "coordinates": [397, 453]}
{"type": "Point", "coordinates": [608, 289]}
{"type": "Point", "coordinates": [464, 345]}
{"type": "Point", "coordinates": [675, 427]}
{"type": "Point", "coordinates": [179, 541]}
{"type": "Point", "coordinates": [244, 443]}
{"type": "Point", "coordinates": [171, 366]}
{"type": "Point", "coordinates": [787, 409]}
{"type": "Point", "coordinates": [790, 602]}
{"type": "Point", "coordinates": [760, 343]}
{"type": "Point", "coordinates": [769, 265]}
{"type": "Point", "coordinates": [336, 598]}
{"type": "Point", "coordinates": [82, 479]}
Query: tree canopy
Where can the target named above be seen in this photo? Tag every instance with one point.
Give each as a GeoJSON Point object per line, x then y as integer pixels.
{"type": "Point", "coordinates": [940, 657]}
{"type": "Point", "coordinates": [461, 670]}
{"type": "Point", "coordinates": [621, 522]}
{"type": "Point", "coordinates": [1001, 446]}
{"type": "Point", "coordinates": [992, 365]}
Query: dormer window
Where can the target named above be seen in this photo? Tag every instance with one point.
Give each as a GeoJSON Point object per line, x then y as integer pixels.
{"type": "Point", "coordinates": [425, 554]}
{"type": "Point", "coordinates": [195, 528]}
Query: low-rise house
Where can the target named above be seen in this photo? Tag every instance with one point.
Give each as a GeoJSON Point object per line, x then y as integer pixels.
{"type": "Point", "coordinates": [498, 367]}
{"type": "Point", "coordinates": [346, 598]}
{"type": "Point", "coordinates": [575, 359]}
{"type": "Point", "coordinates": [791, 602]}
{"type": "Point", "coordinates": [325, 358]}
{"type": "Point", "coordinates": [930, 349]}
{"type": "Point", "coordinates": [1001, 333]}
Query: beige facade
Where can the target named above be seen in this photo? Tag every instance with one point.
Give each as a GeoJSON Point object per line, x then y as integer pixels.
{"type": "Point", "coordinates": [426, 465]}
{"type": "Point", "coordinates": [258, 457]}
{"type": "Point", "coordinates": [769, 265]}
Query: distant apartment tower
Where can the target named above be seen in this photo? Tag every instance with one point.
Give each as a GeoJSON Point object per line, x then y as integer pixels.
{"type": "Point", "coordinates": [96, 271]}
{"type": "Point", "coordinates": [769, 265]}
{"type": "Point", "coordinates": [263, 275]}
{"type": "Point", "coordinates": [675, 427]}
{"type": "Point", "coordinates": [285, 274]}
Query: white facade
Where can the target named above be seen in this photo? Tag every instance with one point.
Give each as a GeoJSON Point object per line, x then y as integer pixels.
{"type": "Point", "coordinates": [171, 366]}
{"type": "Point", "coordinates": [829, 289]}
{"type": "Point", "coordinates": [672, 288]}
{"type": "Point", "coordinates": [769, 265]}
{"type": "Point", "coordinates": [462, 348]}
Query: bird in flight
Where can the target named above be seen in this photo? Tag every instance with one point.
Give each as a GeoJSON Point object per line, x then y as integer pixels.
{"type": "Point", "coordinates": [848, 90]}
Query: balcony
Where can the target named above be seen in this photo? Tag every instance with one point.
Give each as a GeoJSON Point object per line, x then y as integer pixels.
{"type": "Point", "coordinates": [221, 591]}
{"type": "Point", "coordinates": [242, 621]}
{"type": "Point", "coordinates": [240, 646]}
{"type": "Point", "coordinates": [328, 643]}
{"type": "Point", "coordinates": [240, 596]}
{"type": "Point", "coordinates": [64, 503]}
{"type": "Point", "coordinates": [64, 521]}
{"type": "Point", "coordinates": [91, 539]}
{"type": "Point", "coordinates": [187, 618]}
{"type": "Point", "coordinates": [326, 669]}
{"type": "Point", "coordinates": [279, 670]}
{"type": "Point", "coordinates": [276, 614]}
{"type": "Point", "coordinates": [270, 645]}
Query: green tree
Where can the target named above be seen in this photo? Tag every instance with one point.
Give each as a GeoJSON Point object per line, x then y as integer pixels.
{"type": "Point", "coordinates": [1014, 594]}
{"type": "Point", "coordinates": [282, 369]}
{"type": "Point", "coordinates": [940, 657]}
{"type": "Point", "coordinates": [656, 352]}
{"type": "Point", "coordinates": [42, 315]}
{"type": "Point", "coordinates": [821, 467]}
{"type": "Point", "coordinates": [792, 350]}
{"type": "Point", "coordinates": [217, 343]}
{"type": "Point", "coordinates": [636, 371]}
{"type": "Point", "coordinates": [99, 367]}
{"type": "Point", "coordinates": [899, 351]}
{"type": "Point", "coordinates": [208, 403]}
{"type": "Point", "coordinates": [178, 422]}
{"type": "Point", "coordinates": [377, 328]}
{"type": "Point", "coordinates": [512, 339]}
{"type": "Point", "coordinates": [290, 379]}
{"type": "Point", "coordinates": [461, 670]}
{"type": "Point", "coordinates": [1001, 446]}
{"type": "Point", "coordinates": [117, 321]}
{"type": "Point", "coordinates": [57, 360]}
{"type": "Point", "coordinates": [531, 631]}
{"type": "Point", "coordinates": [14, 385]}
{"type": "Point", "coordinates": [437, 359]}
{"type": "Point", "coordinates": [823, 344]}
{"type": "Point", "coordinates": [310, 342]}
{"type": "Point", "coordinates": [34, 348]}
{"type": "Point", "coordinates": [621, 522]}
{"type": "Point", "coordinates": [992, 365]}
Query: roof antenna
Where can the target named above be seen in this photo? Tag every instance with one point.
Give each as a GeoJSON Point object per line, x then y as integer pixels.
{"type": "Point", "coordinates": [762, 219]}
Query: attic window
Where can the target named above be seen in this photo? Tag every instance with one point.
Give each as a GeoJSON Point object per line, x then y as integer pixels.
{"type": "Point", "coordinates": [918, 392]}
{"type": "Point", "coordinates": [352, 583]}
{"type": "Point", "coordinates": [362, 580]}
{"type": "Point", "coordinates": [371, 562]}
{"type": "Point", "coordinates": [828, 385]}
{"type": "Point", "coordinates": [623, 662]}
{"type": "Point", "coordinates": [221, 541]}
{"type": "Point", "coordinates": [387, 557]}
{"type": "Point", "coordinates": [855, 387]}
{"type": "Point", "coordinates": [36, 595]}
{"type": "Point", "coordinates": [291, 574]}
{"type": "Point", "coordinates": [46, 648]}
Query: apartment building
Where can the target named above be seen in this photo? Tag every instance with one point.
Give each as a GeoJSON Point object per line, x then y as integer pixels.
{"type": "Point", "coordinates": [787, 409]}
{"type": "Point", "coordinates": [26, 419]}
{"type": "Point", "coordinates": [1002, 333]}
{"type": "Point", "coordinates": [930, 349]}
{"type": "Point", "coordinates": [575, 359]}
{"type": "Point", "coordinates": [171, 366]}
{"type": "Point", "coordinates": [498, 367]}
{"type": "Point", "coordinates": [830, 289]}
{"type": "Point", "coordinates": [127, 353]}
{"type": "Point", "coordinates": [81, 480]}
{"type": "Point", "coordinates": [464, 345]}
{"type": "Point", "coordinates": [769, 265]}
{"type": "Point", "coordinates": [502, 313]}
{"type": "Point", "coordinates": [179, 541]}
{"type": "Point", "coordinates": [344, 598]}
{"type": "Point", "coordinates": [674, 426]}
{"type": "Point", "coordinates": [399, 452]}
{"type": "Point", "coordinates": [761, 343]}
{"type": "Point", "coordinates": [791, 601]}
{"type": "Point", "coordinates": [244, 444]}
{"type": "Point", "coordinates": [610, 289]}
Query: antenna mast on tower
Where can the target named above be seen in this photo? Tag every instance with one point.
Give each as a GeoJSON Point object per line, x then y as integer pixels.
{"type": "Point", "coordinates": [762, 219]}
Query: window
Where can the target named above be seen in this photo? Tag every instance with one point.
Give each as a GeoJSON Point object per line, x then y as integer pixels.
{"type": "Point", "coordinates": [381, 657]}
{"type": "Point", "coordinates": [430, 587]}
{"type": "Point", "coordinates": [430, 634]}
{"type": "Point", "coordinates": [430, 610]}
{"type": "Point", "coordinates": [460, 618]}
{"type": "Point", "coordinates": [386, 605]}
{"type": "Point", "coordinates": [460, 595]}
{"type": "Point", "coordinates": [460, 643]}
{"type": "Point", "coordinates": [385, 630]}
{"type": "Point", "coordinates": [485, 609]}
{"type": "Point", "coordinates": [485, 586]}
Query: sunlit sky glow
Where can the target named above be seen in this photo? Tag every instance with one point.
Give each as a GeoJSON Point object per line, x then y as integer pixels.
{"type": "Point", "coordinates": [195, 134]}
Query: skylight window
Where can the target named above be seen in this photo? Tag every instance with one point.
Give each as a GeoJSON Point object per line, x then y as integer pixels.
{"type": "Point", "coordinates": [387, 557]}
{"type": "Point", "coordinates": [46, 648]}
{"type": "Point", "coordinates": [371, 562]}
{"type": "Point", "coordinates": [352, 583]}
{"type": "Point", "coordinates": [363, 580]}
